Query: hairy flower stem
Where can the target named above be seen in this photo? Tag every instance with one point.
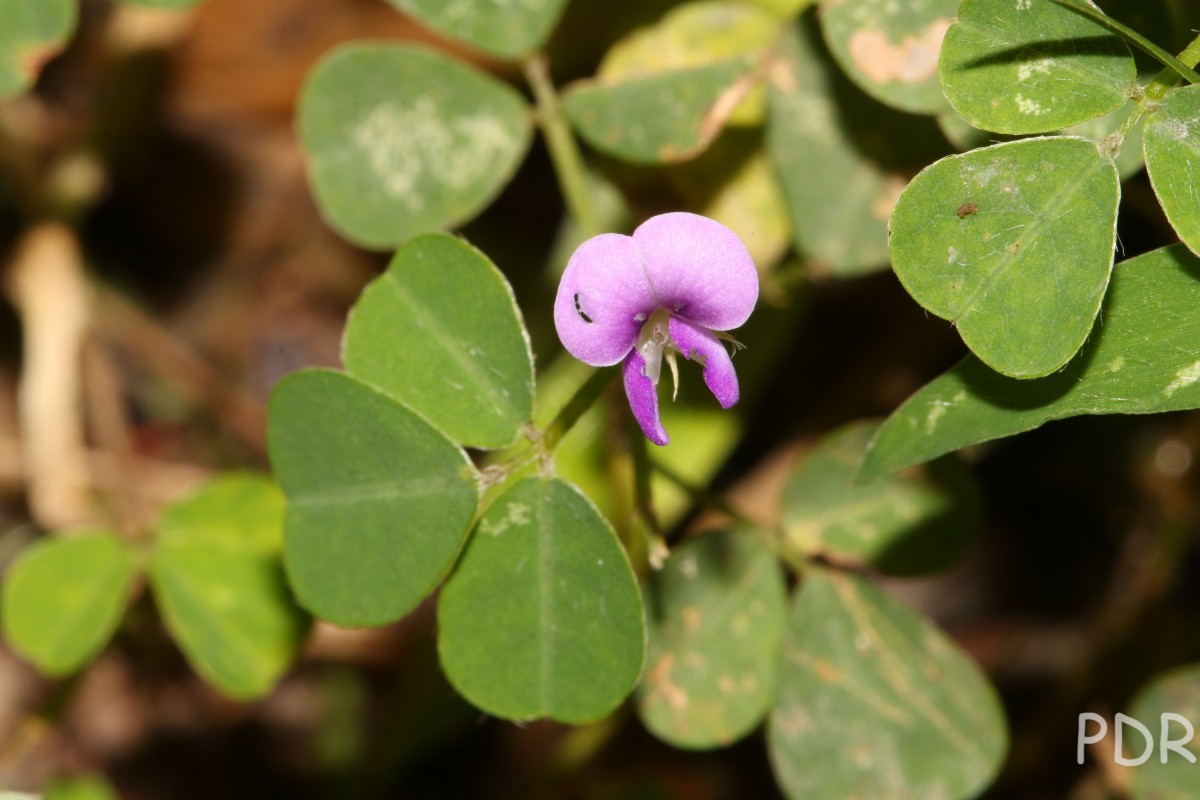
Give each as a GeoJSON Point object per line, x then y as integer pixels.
{"type": "Point", "coordinates": [564, 151]}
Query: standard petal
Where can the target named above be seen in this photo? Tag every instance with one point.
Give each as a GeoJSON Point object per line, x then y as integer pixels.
{"type": "Point", "coordinates": [698, 268]}
{"type": "Point", "coordinates": [602, 293]}
{"type": "Point", "coordinates": [699, 344]}
{"type": "Point", "coordinates": [643, 398]}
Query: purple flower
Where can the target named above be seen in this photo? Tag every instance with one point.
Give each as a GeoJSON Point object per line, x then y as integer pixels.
{"type": "Point", "coordinates": [672, 287]}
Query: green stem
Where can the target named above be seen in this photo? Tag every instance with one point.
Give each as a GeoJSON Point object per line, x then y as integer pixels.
{"type": "Point", "coordinates": [1184, 70]}
{"type": "Point", "coordinates": [1154, 92]}
{"type": "Point", "coordinates": [564, 151]}
{"type": "Point", "coordinates": [1191, 54]}
{"type": "Point", "coordinates": [583, 399]}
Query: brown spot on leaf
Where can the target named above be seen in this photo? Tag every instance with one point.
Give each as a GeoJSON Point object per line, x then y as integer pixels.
{"type": "Point", "coordinates": [826, 671]}
{"type": "Point", "coordinates": [913, 60]}
{"type": "Point", "coordinates": [967, 209]}
{"type": "Point", "coordinates": [660, 683]}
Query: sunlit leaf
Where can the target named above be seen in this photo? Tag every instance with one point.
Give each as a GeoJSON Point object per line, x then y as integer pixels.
{"type": "Point", "coordinates": [874, 701]}
{"type": "Point", "coordinates": [63, 598]}
{"type": "Point", "coordinates": [716, 612]}
{"type": "Point", "coordinates": [231, 614]}
{"type": "Point", "coordinates": [1140, 359]}
{"type": "Point", "coordinates": [1032, 66]}
{"type": "Point", "coordinates": [92, 787]}
{"type": "Point", "coordinates": [31, 33]}
{"type": "Point", "coordinates": [695, 34]}
{"type": "Point", "coordinates": [664, 117]}
{"type": "Point", "coordinates": [219, 584]}
{"type": "Point", "coordinates": [907, 524]}
{"type": "Point", "coordinates": [890, 48]}
{"type": "Point", "coordinates": [238, 512]}
{"type": "Point", "coordinates": [1014, 244]}
{"type": "Point", "coordinates": [1172, 149]}
{"type": "Point", "coordinates": [401, 140]}
{"type": "Point", "coordinates": [542, 617]}
{"type": "Point", "coordinates": [504, 28]}
{"type": "Point", "coordinates": [379, 502]}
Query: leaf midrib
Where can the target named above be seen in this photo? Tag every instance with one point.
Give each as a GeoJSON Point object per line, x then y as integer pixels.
{"type": "Point", "coordinates": [1029, 237]}
{"type": "Point", "coordinates": [367, 492]}
{"type": "Point", "coordinates": [445, 340]}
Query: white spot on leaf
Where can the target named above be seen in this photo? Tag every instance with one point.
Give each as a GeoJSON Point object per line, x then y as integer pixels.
{"type": "Point", "coordinates": [1029, 107]}
{"type": "Point", "coordinates": [1184, 378]}
{"type": "Point", "coordinates": [414, 146]}
{"type": "Point", "coordinates": [1028, 69]}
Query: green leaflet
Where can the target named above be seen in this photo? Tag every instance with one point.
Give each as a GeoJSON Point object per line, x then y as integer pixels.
{"type": "Point", "coordinates": [695, 34]}
{"type": "Point", "coordinates": [664, 117]}
{"type": "Point", "coordinates": [542, 617]}
{"type": "Point", "coordinates": [401, 140]}
{"type": "Point", "coordinates": [1174, 692]}
{"type": "Point", "coordinates": [92, 787]}
{"type": "Point", "coordinates": [64, 596]}
{"type": "Point", "coordinates": [441, 332]}
{"type": "Point", "coordinates": [1014, 244]}
{"type": "Point", "coordinates": [1032, 66]}
{"type": "Point", "coordinates": [716, 613]}
{"type": "Point", "coordinates": [919, 521]}
{"type": "Point", "coordinates": [504, 28]}
{"type": "Point", "coordinates": [220, 587]}
{"type": "Point", "coordinates": [1171, 145]}
{"type": "Point", "coordinates": [890, 49]}
{"type": "Point", "coordinates": [31, 32]}
{"type": "Point", "coordinates": [1141, 359]}
{"type": "Point", "coordinates": [873, 701]}
{"type": "Point", "coordinates": [379, 502]}
{"type": "Point", "coordinates": [840, 177]}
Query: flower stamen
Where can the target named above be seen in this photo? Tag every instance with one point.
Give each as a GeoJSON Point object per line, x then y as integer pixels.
{"type": "Point", "coordinates": [652, 341]}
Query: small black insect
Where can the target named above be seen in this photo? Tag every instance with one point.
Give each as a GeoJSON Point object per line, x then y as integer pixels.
{"type": "Point", "coordinates": [579, 309]}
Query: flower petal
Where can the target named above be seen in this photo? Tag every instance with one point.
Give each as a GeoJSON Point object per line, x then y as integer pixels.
{"type": "Point", "coordinates": [643, 398]}
{"type": "Point", "coordinates": [698, 268]}
{"type": "Point", "coordinates": [698, 343]}
{"type": "Point", "coordinates": [602, 292]}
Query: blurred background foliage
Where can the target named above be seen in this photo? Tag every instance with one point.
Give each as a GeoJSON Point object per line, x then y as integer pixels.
{"type": "Point", "coordinates": [156, 162]}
